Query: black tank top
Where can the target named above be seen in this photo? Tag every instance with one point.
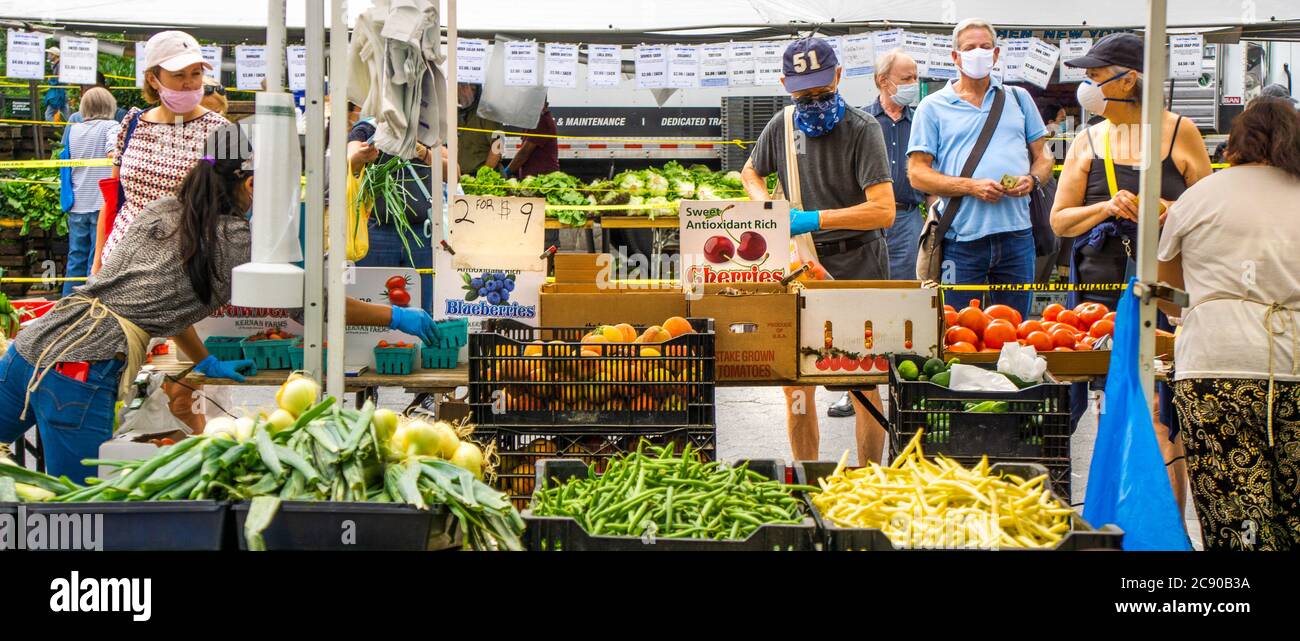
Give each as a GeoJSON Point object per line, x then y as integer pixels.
{"type": "Point", "coordinates": [1172, 183]}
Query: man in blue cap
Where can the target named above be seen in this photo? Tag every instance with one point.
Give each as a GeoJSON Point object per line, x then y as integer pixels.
{"type": "Point", "coordinates": [847, 198]}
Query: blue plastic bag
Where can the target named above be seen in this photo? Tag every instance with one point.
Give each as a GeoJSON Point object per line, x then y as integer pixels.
{"type": "Point", "coordinates": [1127, 482]}
{"type": "Point", "coordinates": [66, 196]}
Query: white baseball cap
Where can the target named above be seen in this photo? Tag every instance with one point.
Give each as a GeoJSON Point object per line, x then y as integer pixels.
{"type": "Point", "coordinates": [173, 51]}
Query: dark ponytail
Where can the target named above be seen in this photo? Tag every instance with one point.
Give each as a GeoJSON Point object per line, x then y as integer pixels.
{"type": "Point", "coordinates": [211, 190]}
{"type": "Point", "coordinates": [1267, 132]}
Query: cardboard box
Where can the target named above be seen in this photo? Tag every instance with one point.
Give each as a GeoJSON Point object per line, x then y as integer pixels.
{"type": "Point", "coordinates": [1165, 345]}
{"type": "Point", "coordinates": [757, 327]}
{"type": "Point", "coordinates": [587, 269]}
{"type": "Point", "coordinates": [835, 315]}
{"type": "Point", "coordinates": [1067, 364]}
{"type": "Point", "coordinates": [581, 305]}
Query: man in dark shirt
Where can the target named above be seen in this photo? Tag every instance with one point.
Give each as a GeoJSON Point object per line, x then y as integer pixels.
{"type": "Point", "coordinates": [846, 200]}
{"type": "Point", "coordinates": [537, 154]}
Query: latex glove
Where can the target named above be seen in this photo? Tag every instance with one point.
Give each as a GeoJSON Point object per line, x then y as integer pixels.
{"type": "Point", "coordinates": [415, 322]}
{"type": "Point", "coordinates": [505, 171]}
{"type": "Point", "coordinates": [213, 368]}
{"type": "Point", "coordinates": [803, 222]}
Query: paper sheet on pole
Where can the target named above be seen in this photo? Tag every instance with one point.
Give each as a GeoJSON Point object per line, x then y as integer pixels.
{"type": "Point", "coordinates": [471, 60]}
{"type": "Point", "coordinates": [1072, 48]}
{"type": "Point", "coordinates": [139, 64]}
{"type": "Point", "coordinates": [683, 67]}
{"type": "Point", "coordinates": [713, 66]}
{"type": "Point", "coordinates": [604, 65]}
{"type": "Point", "coordinates": [212, 56]}
{"type": "Point", "coordinates": [521, 64]}
{"type": "Point", "coordinates": [767, 67]}
{"type": "Point", "coordinates": [859, 57]}
{"type": "Point", "coordinates": [510, 230]}
{"type": "Point", "coordinates": [741, 60]}
{"type": "Point", "coordinates": [941, 64]}
{"type": "Point", "coordinates": [651, 67]}
{"type": "Point", "coordinates": [78, 60]}
{"type": "Point", "coordinates": [250, 66]}
{"type": "Point", "coordinates": [886, 41]}
{"type": "Point", "coordinates": [917, 45]}
{"type": "Point", "coordinates": [25, 55]}
{"type": "Point", "coordinates": [561, 65]}
{"type": "Point", "coordinates": [296, 57]}
{"type": "Point", "coordinates": [1040, 63]}
{"type": "Point", "coordinates": [1014, 52]}
{"type": "Point", "coordinates": [1185, 52]}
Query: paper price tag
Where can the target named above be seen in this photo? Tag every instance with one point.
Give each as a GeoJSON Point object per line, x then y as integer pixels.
{"type": "Point", "coordinates": [651, 67]}
{"type": "Point", "coordinates": [471, 60]}
{"type": "Point", "coordinates": [508, 230]}
{"type": "Point", "coordinates": [250, 66]}
{"type": "Point", "coordinates": [1040, 63]}
{"type": "Point", "coordinates": [917, 45]}
{"type": "Point", "coordinates": [740, 64]}
{"type": "Point", "coordinates": [139, 64]}
{"type": "Point", "coordinates": [1185, 52]}
{"type": "Point", "coordinates": [713, 66]}
{"type": "Point", "coordinates": [1014, 53]}
{"type": "Point", "coordinates": [1072, 48]}
{"type": "Point", "coordinates": [886, 41]}
{"type": "Point", "coordinates": [26, 55]}
{"type": "Point", "coordinates": [942, 66]}
{"type": "Point", "coordinates": [683, 67]}
{"type": "Point", "coordinates": [604, 65]}
{"type": "Point", "coordinates": [859, 57]}
{"type": "Point", "coordinates": [561, 65]}
{"type": "Point", "coordinates": [767, 69]}
{"type": "Point", "coordinates": [212, 56]}
{"type": "Point", "coordinates": [521, 64]}
{"type": "Point", "coordinates": [78, 60]}
{"type": "Point", "coordinates": [296, 56]}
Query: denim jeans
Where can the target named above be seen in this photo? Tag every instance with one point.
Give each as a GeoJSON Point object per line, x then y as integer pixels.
{"type": "Point", "coordinates": [995, 259]}
{"type": "Point", "coordinates": [904, 239]}
{"type": "Point", "coordinates": [81, 247]}
{"type": "Point", "coordinates": [386, 250]}
{"type": "Point", "coordinates": [74, 418]}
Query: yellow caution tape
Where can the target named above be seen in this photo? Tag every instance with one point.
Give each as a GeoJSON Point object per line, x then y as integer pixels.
{"type": "Point", "coordinates": [55, 164]}
{"type": "Point", "coordinates": [29, 182]}
{"type": "Point", "coordinates": [1038, 287]}
{"type": "Point", "coordinates": [52, 279]}
{"type": "Point", "coordinates": [670, 205]}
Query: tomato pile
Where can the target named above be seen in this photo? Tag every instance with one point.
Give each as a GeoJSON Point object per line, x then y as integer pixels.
{"type": "Point", "coordinates": [1060, 330]}
{"type": "Point", "coordinates": [386, 344]}
{"type": "Point", "coordinates": [271, 334]}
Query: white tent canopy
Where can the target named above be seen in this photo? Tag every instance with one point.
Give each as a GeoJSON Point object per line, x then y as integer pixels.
{"type": "Point", "coordinates": [597, 17]}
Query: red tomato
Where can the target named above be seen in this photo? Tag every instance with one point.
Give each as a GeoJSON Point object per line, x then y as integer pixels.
{"type": "Point", "coordinates": [1102, 328]}
{"type": "Point", "coordinates": [949, 318]}
{"type": "Point", "coordinates": [399, 297]}
{"type": "Point", "coordinates": [973, 317]}
{"type": "Point", "coordinates": [962, 346]}
{"type": "Point", "coordinates": [1069, 318]}
{"type": "Point", "coordinates": [1041, 341]}
{"type": "Point", "coordinates": [1091, 313]}
{"type": "Point", "coordinates": [959, 334]}
{"type": "Point", "coordinates": [396, 282]}
{"type": "Point", "coordinates": [1051, 311]}
{"type": "Point", "coordinates": [1004, 312]}
{"type": "Point", "coordinates": [998, 333]}
{"type": "Point", "coordinates": [1063, 338]}
{"type": "Point", "coordinates": [1110, 316]}
{"type": "Point", "coordinates": [383, 343]}
{"type": "Point", "coordinates": [1028, 327]}
{"type": "Point", "coordinates": [949, 308]}
{"type": "Point", "coordinates": [882, 363]}
{"type": "Point", "coordinates": [1062, 349]}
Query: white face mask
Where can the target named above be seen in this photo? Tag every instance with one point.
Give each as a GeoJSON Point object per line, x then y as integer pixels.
{"type": "Point", "coordinates": [977, 63]}
{"type": "Point", "coordinates": [907, 95]}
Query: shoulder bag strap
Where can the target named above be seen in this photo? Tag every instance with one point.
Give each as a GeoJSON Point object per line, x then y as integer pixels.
{"type": "Point", "coordinates": [973, 160]}
{"type": "Point", "coordinates": [791, 161]}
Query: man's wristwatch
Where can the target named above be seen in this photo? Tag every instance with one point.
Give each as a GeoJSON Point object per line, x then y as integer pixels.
{"type": "Point", "coordinates": [1037, 183]}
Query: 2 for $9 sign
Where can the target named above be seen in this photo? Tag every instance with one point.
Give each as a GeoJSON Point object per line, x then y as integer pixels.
{"type": "Point", "coordinates": [506, 232]}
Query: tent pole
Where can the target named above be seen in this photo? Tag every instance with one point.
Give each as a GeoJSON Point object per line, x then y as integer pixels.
{"type": "Point", "coordinates": [1153, 108]}
{"type": "Point", "coordinates": [453, 103]}
{"type": "Point", "coordinates": [275, 29]}
{"type": "Point", "coordinates": [336, 324]}
{"type": "Point", "coordinates": [314, 252]}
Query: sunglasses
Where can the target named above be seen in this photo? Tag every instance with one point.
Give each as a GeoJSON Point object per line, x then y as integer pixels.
{"type": "Point", "coordinates": [208, 90]}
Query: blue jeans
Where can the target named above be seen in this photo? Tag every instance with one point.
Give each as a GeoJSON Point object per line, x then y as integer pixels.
{"type": "Point", "coordinates": [904, 239]}
{"type": "Point", "coordinates": [74, 418]}
{"type": "Point", "coordinates": [995, 259]}
{"type": "Point", "coordinates": [81, 247]}
{"type": "Point", "coordinates": [386, 250]}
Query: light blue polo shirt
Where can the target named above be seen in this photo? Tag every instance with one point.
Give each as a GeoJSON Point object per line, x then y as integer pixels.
{"type": "Point", "coordinates": [946, 127]}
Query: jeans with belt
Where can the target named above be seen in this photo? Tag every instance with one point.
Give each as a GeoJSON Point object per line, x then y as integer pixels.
{"type": "Point", "coordinates": [74, 417]}
{"type": "Point", "coordinates": [996, 259]}
{"type": "Point", "coordinates": [904, 239]}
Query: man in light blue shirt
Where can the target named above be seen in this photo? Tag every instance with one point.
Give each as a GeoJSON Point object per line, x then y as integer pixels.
{"type": "Point", "coordinates": [991, 239]}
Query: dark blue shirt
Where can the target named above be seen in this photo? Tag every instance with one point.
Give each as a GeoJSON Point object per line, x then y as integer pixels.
{"type": "Point", "coordinates": [897, 135]}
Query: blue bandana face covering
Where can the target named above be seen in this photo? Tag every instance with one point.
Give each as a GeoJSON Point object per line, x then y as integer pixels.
{"type": "Point", "coordinates": [818, 116]}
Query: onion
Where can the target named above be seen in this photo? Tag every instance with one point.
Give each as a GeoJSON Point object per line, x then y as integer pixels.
{"type": "Point", "coordinates": [244, 428]}
{"type": "Point", "coordinates": [297, 394]}
{"type": "Point", "coordinates": [422, 439]}
{"type": "Point", "coordinates": [385, 422]}
{"type": "Point", "coordinates": [398, 442]}
{"type": "Point", "coordinates": [220, 425]}
{"type": "Point", "coordinates": [279, 421]}
{"type": "Point", "coordinates": [448, 442]}
{"type": "Point", "coordinates": [469, 457]}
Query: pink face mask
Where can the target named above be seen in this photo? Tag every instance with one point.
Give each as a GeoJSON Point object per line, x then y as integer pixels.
{"type": "Point", "coordinates": [179, 101]}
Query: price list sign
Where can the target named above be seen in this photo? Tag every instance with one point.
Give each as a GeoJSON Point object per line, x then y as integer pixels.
{"type": "Point", "coordinates": [510, 230]}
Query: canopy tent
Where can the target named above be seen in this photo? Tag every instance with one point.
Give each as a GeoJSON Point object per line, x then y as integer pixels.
{"type": "Point", "coordinates": [684, 20]}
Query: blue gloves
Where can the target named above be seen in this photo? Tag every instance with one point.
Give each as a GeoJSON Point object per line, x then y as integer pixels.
{"type": "Point", "coordinates": [804, 222]}
{"type": "Point", "coordinates": [213, 368]}
{"type": "Point", "coordinates": [505, 171]}
{"type": "Point", "coordinates": [415, 322]}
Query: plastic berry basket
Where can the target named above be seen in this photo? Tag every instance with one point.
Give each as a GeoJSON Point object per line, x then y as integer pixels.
{"type": "Point", "coordinates": [453, 332]}
{"type": "Point", "coordinates": [225, 348]}
{"type": "Point", "coordinates": [439, 357]}
{"type": "Point", "coordinates": [395, 360]}
{"type": "Point", "coordinates": [297, 351]}
{"type": "Point", "coordinates": [268, 353]}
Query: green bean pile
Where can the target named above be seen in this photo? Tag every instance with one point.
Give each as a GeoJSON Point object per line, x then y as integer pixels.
{"type": "Point", "coordinates": [671, 496]}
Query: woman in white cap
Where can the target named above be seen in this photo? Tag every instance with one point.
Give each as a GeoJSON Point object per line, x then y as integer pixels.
{"type": "Point", "coordinates": [155, 150]}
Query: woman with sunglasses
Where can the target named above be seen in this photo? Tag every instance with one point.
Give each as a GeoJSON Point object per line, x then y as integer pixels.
{"type": "Point", "coordinates": [172, 268]}
{"type": "Point", "coordinates": [214, 96]}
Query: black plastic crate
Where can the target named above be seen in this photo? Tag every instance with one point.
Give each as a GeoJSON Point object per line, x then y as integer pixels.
{"type": "Point", "coordinates": [564, 534]}
{"type": "Point", "coordinates": [1035, 429]}
{"type": "Point", "coordinates": [339, 526]}
{"type": "Point", "coordinates": [837, 539]}
{"type": "Point", "coordinates": [519, 451]}
{"type": "Point", "coordinates": [619, 388]}
{"type": "Point", "coordinates": [140, 526]}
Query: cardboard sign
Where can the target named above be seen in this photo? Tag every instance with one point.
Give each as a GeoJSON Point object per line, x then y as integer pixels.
{"type": "Point", "coordinates": [584, 304]}
{"type": "Point", "coordinates": [757, 330]}
{"type": "Point", "coordinates": [463, 292]}
{"type": "Point", "coordinates": [510, 230]}
{"type": "Point", "coordinates": [734, 242]}
{"type": "Point", "coordinates": [25, 55]}
{"type": "Point", "coordinates": [850, 327]}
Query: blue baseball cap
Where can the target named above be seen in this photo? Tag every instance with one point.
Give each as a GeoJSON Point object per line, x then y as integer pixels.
{"type": "Point", "coordinates": [809, 63]}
